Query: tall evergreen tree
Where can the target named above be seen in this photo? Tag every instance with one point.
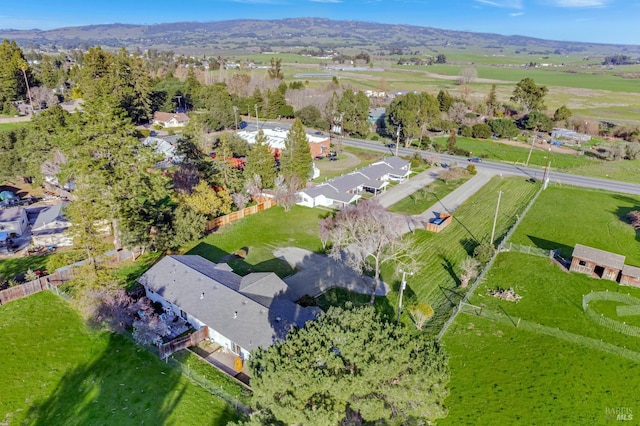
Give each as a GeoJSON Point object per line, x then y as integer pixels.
{"type": "Point", "coordinates": [350, 366]}
{"type": "Point", "coordinates": [296, 157]}
{"type": "Point", "coordinates": [260, 162]}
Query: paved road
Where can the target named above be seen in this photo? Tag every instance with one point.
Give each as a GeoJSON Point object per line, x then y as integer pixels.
{"type": "Point", "coordinates": [489, 166]}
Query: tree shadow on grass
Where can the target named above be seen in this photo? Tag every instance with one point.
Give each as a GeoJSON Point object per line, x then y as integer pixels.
{"type": "Point", "coordinates": [239, 265]}
{"type": "Point", "coordinates": [623, 212]}
{"type": "Point", "coordinates": [124, 384]}
{"type": "Point", "coordinates": [564, 249]}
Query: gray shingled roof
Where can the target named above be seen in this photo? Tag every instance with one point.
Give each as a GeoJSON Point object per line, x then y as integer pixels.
{"type": "Point", "coordinates": [212, 294]}
{"type": "Point", "coordinates": [49, 214]}
{"type": "Point", "coordinates": [396, 162]}
{"type": "Point", "coordinates": [600, 257]}
{"type": "Point", "coordinates": [11, 214]}
{"type": "Point", "coordinates": [631, 271]}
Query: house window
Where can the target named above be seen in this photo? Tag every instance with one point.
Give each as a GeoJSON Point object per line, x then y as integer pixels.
{"type": "Point", "coordinates": [235, 348]}
{"type": "Point", "coordinates": [582, 263]}
{"type": "Point", "coordinates": [183, 314]}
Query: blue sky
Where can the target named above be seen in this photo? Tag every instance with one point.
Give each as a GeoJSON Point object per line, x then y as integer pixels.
{"type": "Point", "coordinates": [600, 21]}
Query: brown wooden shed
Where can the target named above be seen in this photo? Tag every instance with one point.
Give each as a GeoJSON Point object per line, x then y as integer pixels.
{"type": "Point", "coordinates": [630, 276]}
{"type": "Point", "coordinates": [603, 264]}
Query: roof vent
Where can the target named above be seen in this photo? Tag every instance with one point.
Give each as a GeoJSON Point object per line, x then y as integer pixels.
{"type": "Point", "coordinates": [202, 296]}
{"type": "Point", "coordinates": [235, 314]}
{"type": "Point", "coordinates": [278, 319]}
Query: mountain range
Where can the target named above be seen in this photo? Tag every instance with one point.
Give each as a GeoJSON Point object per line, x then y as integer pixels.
{"type": "Point", "coordinates": [283, 35]}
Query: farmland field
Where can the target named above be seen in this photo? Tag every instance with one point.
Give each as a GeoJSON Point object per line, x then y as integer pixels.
{"type": "Point", "coordinates": [542, 360]}
{"type": "Point", "coordinates": [565, 216]}
{"type": "Point", "coordinates": [80, 376]}
{"type": "Point", "coordinates": [438, 255]}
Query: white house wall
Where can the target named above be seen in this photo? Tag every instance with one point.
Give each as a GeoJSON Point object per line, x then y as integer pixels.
{"type": "Point", "coordinates": [196, 323]}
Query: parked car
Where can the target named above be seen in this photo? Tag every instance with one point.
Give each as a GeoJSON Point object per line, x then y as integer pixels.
{"type": "Point", "coordinates": [319, 157]}
{"type": "Point", "coordinates": [279, 129]}
{"type": "Point", "coordinates": [334, 158]}
{"type": "Point", "coordinates": [242, 125]}
{"type": "Point", "coordinates": [390, 145]}
{"type": "Point", "coordinates": [475, 160]}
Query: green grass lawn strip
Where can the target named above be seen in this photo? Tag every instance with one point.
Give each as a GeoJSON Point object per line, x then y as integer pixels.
{"type": "Point", "coordinates": [438, 255]}
{"type": "Point", "coordinates": [424, 198]}
{"type": "Point", "coordinates": [56, 370]}
{"type": "Point", "coordinates": [564, 216]}
{"type": "Point", "coordinates": [261, 234]}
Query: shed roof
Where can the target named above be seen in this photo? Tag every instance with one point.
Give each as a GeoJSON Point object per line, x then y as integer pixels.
{"type": "Point", "coordinates": [600, 257]}
{"type": "Point", "coordinates": [12, 214]}
{"type": "Point", "coordinates": [48, 215]}
{"type": "Point", "coordinates": [631, 271]}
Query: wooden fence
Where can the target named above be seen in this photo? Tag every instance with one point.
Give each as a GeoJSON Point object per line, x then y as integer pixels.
{"type": "Point", "coordinates": [232, 217]}
{"type": "Point", "coordinates": [179, 343]}
{"type": "Point", "coordinates": [60, 276]}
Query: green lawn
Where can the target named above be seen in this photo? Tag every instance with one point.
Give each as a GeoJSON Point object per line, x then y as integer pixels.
{"type": "Point", "coordinates": [493, 150]}
{"type": "Point", "coordinates": [438, 255]}
{"type": "Point", "coordinates": [424, 198]}
{"type": "Point", "coordinates": [556, 367]}
{"type": "Point", "coordinates": [564, 216]}
{"type": "Point", "coordinates": [56, 370]}
{"type": "Point", "coordinates": [13, 266]}
{"type": "Point", "coordinates": [261, 234]}
{"type": "Point", "coordinates": [11, 126]}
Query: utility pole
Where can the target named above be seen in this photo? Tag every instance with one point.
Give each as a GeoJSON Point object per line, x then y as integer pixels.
{"type": "Point", "coordinates": [179, 97]}
{"type": "Point", "coordinates": [533, 141]}
{"type": "Point", "coordinates": [403, 285]}
{"type": "Point", "coordinates": [398, 138]}
{"type": "Point", "coordinates": [545, 179]}
{"type": "Point", "coordinates": [340, 136]}
{"type": "Point", "coordinates": [257, 119]}
{"type": "Point", "coordinates": [495, 218]}
{"type": "Point", "coordinates": [235, 115]}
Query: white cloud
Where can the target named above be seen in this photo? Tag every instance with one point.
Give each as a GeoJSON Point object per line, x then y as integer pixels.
{"type": "Point", "coordinates": [516, 14]}
{"type": "Point", "coordinates": [581, 3]}
{"type": "Point", "coordinates": [508, 4]}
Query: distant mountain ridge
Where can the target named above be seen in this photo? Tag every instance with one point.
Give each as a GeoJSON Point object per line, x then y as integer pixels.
{"type": "Point", "coordinates": [252, 36]}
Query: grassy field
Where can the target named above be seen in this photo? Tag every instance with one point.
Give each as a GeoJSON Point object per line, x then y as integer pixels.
{"type": "Point", "coordinates": [260, 234]}
{"type": "Point", "coordinates": [565, 216]}
{"type": "Point", "coordinates": [494, 150]}
{"type": "Point", "coordinates": [438, 255]}
{"type": "Point", "coordinates": [556, 367]}
{"type": "Point", "coordinates": [424, 198]}
{"type": "Point", "coordinates": [11, 126]}
{"type": "Point", "coordinates": [79, 376]}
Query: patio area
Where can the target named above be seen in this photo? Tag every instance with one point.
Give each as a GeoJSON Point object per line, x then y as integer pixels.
{"type": "Point", "coordinates": [223, 359]}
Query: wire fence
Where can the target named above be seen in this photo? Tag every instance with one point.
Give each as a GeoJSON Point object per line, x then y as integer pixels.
{"type": "Point", "coordinates": [599, 318]}
{"type": "Point", "coordinates": [486, 268]}
{"type": "Point", "coordinates": [558, 333]}
{"type": "Point", "coordinates": [521, 248]}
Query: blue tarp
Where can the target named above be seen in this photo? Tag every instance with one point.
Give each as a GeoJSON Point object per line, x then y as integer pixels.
{"type": "Point", "coordinates": [3, 236]}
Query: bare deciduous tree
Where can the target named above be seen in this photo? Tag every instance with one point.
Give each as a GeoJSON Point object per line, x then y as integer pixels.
{"type": "Point", "coordinates": [458, 112]}
{"type": "Point", "coordinates": [186, 178]}
{"type": "Point", "coordinates": [469, 270]}
{"type": "Point", "coordinates": [113, 307]}
{"type": "Point", "coordinates": [240, 199]}
{"type": "Point", "coordinates": [286, 191]}
{"type": "Point", "coordinates": [365, 236]}
{"type": "Point", "coordinates": [52, 167]}
{"type": "Point", "coordinates": [149, 329]}
{"type": "Point", "coordinates": [43, 97]}
{"type": "Point", "coordinates": [254, 186]}
{"type": "Point", "coordinates": [467, 75]}
{"type": "Point", "coordinates": [634, 218]}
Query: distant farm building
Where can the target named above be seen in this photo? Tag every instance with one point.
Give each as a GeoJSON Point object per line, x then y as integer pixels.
{"type": "Point", "coordinates": [592, 261]}
{"type": "Point", "coordinates": [570, 135]}
{"type": "Point", "coordinates": [605, 265]}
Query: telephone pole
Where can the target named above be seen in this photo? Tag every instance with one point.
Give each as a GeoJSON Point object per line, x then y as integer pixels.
{"type": "Point", "coordinates": [257, 119]}
{"type": "Point", "coordinates": [398, 138]}
{"type": "Point", "coordinates": [533, 141]}
{"type": "Point", "coordinates": [545, 179]}
{"type": "Point", "coordinates": [235, 115]}
{"type": "Point", "coordinates": [495, 218]}
{"type": "Point", "coordinates": [403, 285]}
